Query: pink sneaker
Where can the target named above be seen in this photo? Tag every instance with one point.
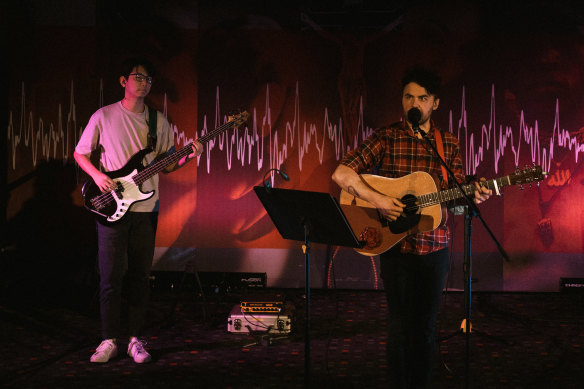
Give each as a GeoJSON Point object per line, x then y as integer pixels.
{"type": "Point", "coordinates": [105, 351]}
{"type": "Point", "coordinates": [136, 350]}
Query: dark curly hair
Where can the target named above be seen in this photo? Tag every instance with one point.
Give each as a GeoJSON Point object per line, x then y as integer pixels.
{"type": "Point", "coordinates": [425, 78]}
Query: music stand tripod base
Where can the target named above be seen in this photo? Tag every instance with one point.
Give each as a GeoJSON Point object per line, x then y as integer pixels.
{"type": "Point", "coordinates": [307, 217]}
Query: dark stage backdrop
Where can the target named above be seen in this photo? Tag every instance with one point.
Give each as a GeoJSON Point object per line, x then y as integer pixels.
{"type": "Point", "coordinates": [316, 78]}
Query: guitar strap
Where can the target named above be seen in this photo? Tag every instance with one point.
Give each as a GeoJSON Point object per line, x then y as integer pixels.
{"type": "Point", "coordinates": [440, 148]}
{"type": "Point", "coordinates": [152, 116]}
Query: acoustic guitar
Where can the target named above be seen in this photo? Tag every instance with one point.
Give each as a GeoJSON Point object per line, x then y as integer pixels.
{"type": "Point", "coordinates": [424, 209]}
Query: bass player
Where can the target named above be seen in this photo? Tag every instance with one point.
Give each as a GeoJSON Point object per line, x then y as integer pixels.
{"type": "Point", "coordinates": [119, 131]}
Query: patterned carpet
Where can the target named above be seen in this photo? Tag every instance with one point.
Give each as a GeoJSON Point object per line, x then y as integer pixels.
{"type": "Point", "coordinates": [518, 341]}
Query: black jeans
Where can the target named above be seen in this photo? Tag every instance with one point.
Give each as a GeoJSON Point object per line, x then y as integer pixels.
{"type": "Point", "coordinates": [126, 248]}
{"type": "Point", "coordinates": [413, 286]}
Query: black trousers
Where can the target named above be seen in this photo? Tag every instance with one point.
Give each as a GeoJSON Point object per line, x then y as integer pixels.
{"type": "Point", "coordinates": [413, 286]}
{"type": "Point", "coordinates": [126, 249]}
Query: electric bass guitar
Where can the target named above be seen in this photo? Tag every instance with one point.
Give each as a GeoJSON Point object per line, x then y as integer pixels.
{"type": "Point", "coordinates": [423, 211]}
{"type": "Point", "coordinates": [112, 206]}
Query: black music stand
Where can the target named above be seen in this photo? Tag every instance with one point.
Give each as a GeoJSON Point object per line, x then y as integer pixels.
{"type": "Point", "coordinates": [307, 217]}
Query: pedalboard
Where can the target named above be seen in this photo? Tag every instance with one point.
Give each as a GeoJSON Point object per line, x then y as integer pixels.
{"type": "Point", "coordinates": [241, 321]}
{"type": "Point", "coordinates": [261, 306]}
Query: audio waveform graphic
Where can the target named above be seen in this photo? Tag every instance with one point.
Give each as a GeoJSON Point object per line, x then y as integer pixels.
{"type": "Point", "coordinates": [245, 145]}
{"type": "Point", "coordinates": [505, 137]}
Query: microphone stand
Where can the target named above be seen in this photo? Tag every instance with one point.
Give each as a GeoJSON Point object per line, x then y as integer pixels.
{"type": "Point", "coordinates": [266, 181]}
{"type": "Point", "coordinates": [470, 210]}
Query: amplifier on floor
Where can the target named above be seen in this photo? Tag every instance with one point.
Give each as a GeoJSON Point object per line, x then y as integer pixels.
{"type": "Point", "coordinates": [226, 282]}
{"type": "Point", "coordinates": [572, 285]}
{"type": "Point", "coordinates": [247, 322]}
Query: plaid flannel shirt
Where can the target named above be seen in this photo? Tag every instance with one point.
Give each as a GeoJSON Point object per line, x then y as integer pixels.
{"type": "Point", "coordinates": [394, 152]}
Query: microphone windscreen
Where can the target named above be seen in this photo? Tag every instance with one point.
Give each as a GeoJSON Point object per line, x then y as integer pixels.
{"type": "Point", "coordinates": [414, 116]}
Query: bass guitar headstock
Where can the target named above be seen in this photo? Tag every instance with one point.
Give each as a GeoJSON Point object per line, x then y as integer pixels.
{"type": "Point", "coordinates": [237, 119]}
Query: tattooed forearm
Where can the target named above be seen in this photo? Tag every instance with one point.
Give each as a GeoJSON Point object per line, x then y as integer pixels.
{"type": "Point", "coordinates": [353, 191]}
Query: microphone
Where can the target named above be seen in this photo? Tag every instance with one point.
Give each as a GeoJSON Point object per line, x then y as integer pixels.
{"type": "Point", "coordinates": [268, 183]}
{"type": "Point", "coordinates": [414, 116]}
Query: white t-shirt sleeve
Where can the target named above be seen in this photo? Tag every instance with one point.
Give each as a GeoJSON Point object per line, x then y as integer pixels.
{"type": "Point", "coordinates": [89, 139]}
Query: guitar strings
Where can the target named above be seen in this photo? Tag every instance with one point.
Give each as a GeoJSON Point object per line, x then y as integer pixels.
{"type": "Point", "coordinates": [435, 198]}
{"type": "Point", "coordinates": [106, 198]}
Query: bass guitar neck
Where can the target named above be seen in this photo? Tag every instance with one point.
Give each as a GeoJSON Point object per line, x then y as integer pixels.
{"type": "Point", "coordinates": [113, 205]}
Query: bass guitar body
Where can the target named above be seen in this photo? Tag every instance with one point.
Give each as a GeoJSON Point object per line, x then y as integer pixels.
{"type": "Point", "coordinates": [112, 206]}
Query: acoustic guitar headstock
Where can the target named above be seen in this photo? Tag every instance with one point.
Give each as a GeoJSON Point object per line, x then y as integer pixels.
{"type": "Point", "coordinates": [527, 175]}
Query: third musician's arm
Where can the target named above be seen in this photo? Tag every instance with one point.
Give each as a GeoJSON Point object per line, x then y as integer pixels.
{"type": "Point", "coordinates": [350, 181]}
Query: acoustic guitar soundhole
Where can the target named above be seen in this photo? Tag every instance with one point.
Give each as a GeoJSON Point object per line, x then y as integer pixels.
{"type": "Point", "coordinates": [410, 218]}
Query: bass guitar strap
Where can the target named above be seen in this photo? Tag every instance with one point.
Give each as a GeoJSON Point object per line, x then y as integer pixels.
{"type": "Point", "coordinates": [152, 116]}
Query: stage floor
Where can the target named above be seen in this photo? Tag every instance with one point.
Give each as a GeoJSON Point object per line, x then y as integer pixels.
{"type": "Point", "coordinates": [521, 340]}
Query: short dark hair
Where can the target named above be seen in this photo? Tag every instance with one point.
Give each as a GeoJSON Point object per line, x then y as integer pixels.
{"type": "Point", "coordinates": [130, 63]}
{"type": "Point", "coordinates": [425, 78]}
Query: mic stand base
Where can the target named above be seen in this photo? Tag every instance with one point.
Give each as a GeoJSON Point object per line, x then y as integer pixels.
{"type": "Point", "coordinates": [466, 325]}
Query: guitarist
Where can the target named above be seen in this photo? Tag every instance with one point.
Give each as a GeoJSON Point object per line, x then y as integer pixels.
{"type": "Point", "coordinates": [414, 271]}
{"type": "Point", "coordinates": [118, 131]}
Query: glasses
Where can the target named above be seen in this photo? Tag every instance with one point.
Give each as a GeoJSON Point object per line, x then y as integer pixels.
{"type": "Point", "coordinates": [141, 77]}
